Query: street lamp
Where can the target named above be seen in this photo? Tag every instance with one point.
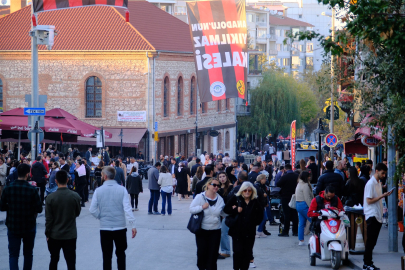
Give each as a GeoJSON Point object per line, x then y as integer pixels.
{"type": "Point", "coordinates": [320, 132]}
{"type": "Point", "coordinates": [332, 113]}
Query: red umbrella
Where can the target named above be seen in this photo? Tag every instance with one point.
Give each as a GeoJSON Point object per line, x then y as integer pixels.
{"type": "Point", "coordinates": [66, 118]}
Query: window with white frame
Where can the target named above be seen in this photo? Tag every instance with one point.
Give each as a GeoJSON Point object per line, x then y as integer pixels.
{"type": "Point", "coordinates": [310, 47]}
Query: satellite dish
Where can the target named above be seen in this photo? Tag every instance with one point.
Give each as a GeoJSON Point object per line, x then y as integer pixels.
{"type": "Point", "coordinates": [3, 2]}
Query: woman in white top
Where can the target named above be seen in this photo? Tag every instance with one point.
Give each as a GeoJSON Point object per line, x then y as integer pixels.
{"type": "Point", "coordinates": [166, 188]}
{"type": "Point", "coordinates": [209, 237]}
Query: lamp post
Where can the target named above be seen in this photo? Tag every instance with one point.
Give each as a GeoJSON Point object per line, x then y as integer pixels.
{"type": "Point", "coordinates": [121, 135]}
{"type": "Point", "coordinates": [332, 108]}
{"type": "Point", "coordinates": [320, 131]}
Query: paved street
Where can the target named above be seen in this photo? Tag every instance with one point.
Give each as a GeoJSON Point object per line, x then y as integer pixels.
{"type": "Point", "coordinates": [163, 242]}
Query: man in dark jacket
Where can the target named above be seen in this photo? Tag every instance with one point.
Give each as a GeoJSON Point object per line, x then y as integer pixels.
{"type": "Point", "coordinates": [119, 174]}
{"type": "Point", "coordinates": [209, 172]}
{"type": "Point", "coordinates": [88, 155]}
{"type": "Point", "coordinates": [330, 178]}
{"type": "Point", "coordinates": [195, 167]}
{"type": "Point", "coordinates": [269, 168]}
{"type": "Point", "coordinates": [241, 159]}
{"type": "Point", "coordinates": [153, 177]}
{"type": "Point", "coordinates": [22, 203]}
{"type": "Point", "coordinates": [39, 173]}
{"type": "Point", "coordinates": [254, 172]}
{"type": "Point", "coordinates": [288, 183]}
{"type": "Point", "coordinates": [86, 189]}
{"type": "Point", "coordinates": [314, 169]}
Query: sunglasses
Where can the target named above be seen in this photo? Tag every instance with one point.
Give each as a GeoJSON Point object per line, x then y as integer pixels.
{"type": "Point", "coordinates": [216, 185]}
{"type": "Point", "coordinates": [247, 190]}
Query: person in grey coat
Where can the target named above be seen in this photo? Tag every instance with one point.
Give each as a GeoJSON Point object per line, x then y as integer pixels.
{"type": "Point", "coordinates": [153, 177]}
{"type": "Point", "coordinates": [134, 187]}
{"type": "Point", "coordinates": [119, 174]}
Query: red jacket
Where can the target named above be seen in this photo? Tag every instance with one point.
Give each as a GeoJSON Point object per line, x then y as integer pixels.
{"type": "Point", "coordinates": [314, 205]}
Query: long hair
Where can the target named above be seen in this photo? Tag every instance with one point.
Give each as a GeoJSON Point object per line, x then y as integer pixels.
{"type": "Point", "coordinates": [226, 191]}
{"type": "Point", "coordinates": [304, 176]}
{"type": "Point", "coordinates": [100, 164]}
{"type": "Point", "coordinates": [163, 169]}
{"type": "Point", "coordinates": [246, 185]}
{"type": "Point", "coordinates": [354, 177]}
{"type": "Point", "coordinates": [200, 172]}
{"type": "Point", "coordinates": [302, 165]}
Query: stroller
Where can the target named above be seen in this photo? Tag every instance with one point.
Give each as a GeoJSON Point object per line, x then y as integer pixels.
{"type": "Point", "coordinates": [51, 188]}
{"type": "Point", "coordinates": [276, 207]}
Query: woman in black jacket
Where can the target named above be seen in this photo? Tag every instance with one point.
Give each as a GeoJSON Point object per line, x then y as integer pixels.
{"type": "Point", "coordinates": [249, 212]}
{"type": "Point", "coordinates": [134, 187]}
{"type": "Point", "coordinates": [354, 189]}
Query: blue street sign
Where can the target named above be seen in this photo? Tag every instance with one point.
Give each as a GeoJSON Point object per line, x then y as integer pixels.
{"type": "Point", "coordinates": [156, 126]}
{"type": "Point", "coordinates": [34, 111]}
{"type": "Point", "coordinates": [331, 140]}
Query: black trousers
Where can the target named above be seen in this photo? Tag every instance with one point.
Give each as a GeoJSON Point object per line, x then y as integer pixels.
{"type": "Point", "coordinates": [86, 191]}
{"type": "Point", "coordinates": [134, 197]}
{"type": "Point", "coordinates": [242, 251]}
{"type": "Point", "coordinates": [207, 249]}
{"type": "Point", "coordinates": [373, 230]}
{"type": "Point", "coordinates": [69, 251]}
{"type": "Point", "coordinates": [80, 190]}
{"type": "Point", "coordinates": [108, 239]}
{"type": "Point", "coordinates": [41, 187]}
{"type": "Point", "coordinates": [290, 214]}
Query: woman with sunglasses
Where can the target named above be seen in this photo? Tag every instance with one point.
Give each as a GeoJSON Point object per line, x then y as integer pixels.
{"type": "Point", "coordinates": [209, 238]}
{"type": "Point", "coordinates": [249, 212]}
{"type": "Point", "coordinates": [226, 187]}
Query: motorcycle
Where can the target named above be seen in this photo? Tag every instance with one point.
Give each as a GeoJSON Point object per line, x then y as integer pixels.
{"type": "Point", "coordinates": [332, 242]}
{"type": "Point", "coordinates": [143, 171]}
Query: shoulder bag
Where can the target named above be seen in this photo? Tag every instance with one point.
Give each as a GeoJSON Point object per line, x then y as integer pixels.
{"type": "Point", "coordinates": [293, 202]}
{"type": "Point", "coordinates": [194, 224]}
{"type": "Point", "coordinates": [231, 221]}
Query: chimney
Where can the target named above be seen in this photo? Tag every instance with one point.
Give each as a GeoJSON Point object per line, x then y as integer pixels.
{"type": "Point", "coordinates": [17, 5]}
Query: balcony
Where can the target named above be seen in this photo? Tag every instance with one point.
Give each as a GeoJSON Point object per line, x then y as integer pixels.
{"type": "Point", "coordinates": [242, 110]}
{"type": "Point", "coordinates": [295, 66]}
{"type": "Point", "coordinates": [273, 52]}
{"type": "Point", "coordinates": [261, 39]}
{"type": "Point", "coordinates": [261, 24]}
{"type": "Point", "coordinates": [295, 52]}
{"type": "Point", "coordinates": [255, 72]}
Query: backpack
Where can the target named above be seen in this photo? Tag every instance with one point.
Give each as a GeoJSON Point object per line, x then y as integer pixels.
{"type": "Point", "coordinates": [11, 177]}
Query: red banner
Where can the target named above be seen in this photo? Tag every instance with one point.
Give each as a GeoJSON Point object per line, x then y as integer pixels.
{"type": "Point", "coordinates": [293, 134]}
{"type": "Point", "coordinates": [219, 36]}
{"type": "Point", "coordinates": [46, 5]}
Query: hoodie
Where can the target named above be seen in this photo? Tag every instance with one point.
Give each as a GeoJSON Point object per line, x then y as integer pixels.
{"type": "Point", "coordinates": [327, 203]}
{"type": "Point", "coordinates": [134, 183]}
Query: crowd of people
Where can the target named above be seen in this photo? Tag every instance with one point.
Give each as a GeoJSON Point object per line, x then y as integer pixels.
{"type": "Point", "coordinates": [234, 196]}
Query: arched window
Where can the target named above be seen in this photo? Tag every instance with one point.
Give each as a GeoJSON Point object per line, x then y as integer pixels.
{"type": "Point", "coordinates": [166, 97]}
{"type": "Point", "coordinates": [204, 107]}
{"type": "Point", "coordinates": [227, 104]}
{"type": "Point", "coordinates": [1, 95]}
{"type": "Point", "coordinates": [227, 140]}
{"type": "Point", "coordinates": [179, 95]}
{"type": "Point", "coordinates": [93, 97]}
{"type": "Point", "coordinates": [192, 94]}
{"type": "Point", "coordinates": [219, 106]}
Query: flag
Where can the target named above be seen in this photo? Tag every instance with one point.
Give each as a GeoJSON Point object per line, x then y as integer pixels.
{"type": "Point", "coordinates": [61, 137]}
{"type": "Point", "coordinates": [293, 134]}
{"type": "Point", "coordinates": [219, 36]}
{"type": "Point", "coordinates": [46, 5]}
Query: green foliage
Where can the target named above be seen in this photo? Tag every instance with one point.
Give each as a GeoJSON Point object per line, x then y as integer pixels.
{"type": "Point", "coordinates": [274, 105]}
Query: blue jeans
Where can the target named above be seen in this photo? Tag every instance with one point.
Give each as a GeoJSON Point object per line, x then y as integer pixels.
{"type": "Point", "coordinates": [302, 209]}
{"type": "Point", "coordinates": [167, 196]}
{"type": "Point", "coordinates": [14, 244]}
{"type": "Point", "coordinates": [261, 226]}
{"type": "Point", "coordinates": [225, 242]}
{"type": "Point", "coordinates": [154, 199]}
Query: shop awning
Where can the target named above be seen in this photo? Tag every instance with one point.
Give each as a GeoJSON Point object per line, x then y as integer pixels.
{"type": "Point", "coordinates": [131, 138]}
{"type": "Point", "coordinates": [355, 147]}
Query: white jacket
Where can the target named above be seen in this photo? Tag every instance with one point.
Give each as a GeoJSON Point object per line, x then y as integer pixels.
{"type": "Point", "coordinates": [211, 220]}
{"type": "Point", "coordinates": [165, 179]}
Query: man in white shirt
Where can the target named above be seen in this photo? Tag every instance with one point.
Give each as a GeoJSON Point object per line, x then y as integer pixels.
{"type": "Point", "coordinates": [373, 211]}
{"type": "Point", "coordinates": [110, 204]}
{"type": "Point", "coordinates": [132, 164]}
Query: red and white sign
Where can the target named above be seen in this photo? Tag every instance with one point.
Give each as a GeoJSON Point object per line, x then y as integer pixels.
{"type": "Point", "coordinates": [293, 134]}
{"type": "Point", "coordinates": [370, 141]}
{"type": "Point", "coordinates": [331, 140]}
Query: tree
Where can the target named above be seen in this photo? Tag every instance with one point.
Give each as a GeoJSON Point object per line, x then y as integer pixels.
{"type": "Point", "coordinates": [274, 105]}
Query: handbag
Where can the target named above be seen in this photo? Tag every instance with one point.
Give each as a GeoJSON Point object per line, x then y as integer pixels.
{"type": "Point", "coordinates": [194, 224]}
{"type": "Point", "coordinates": [293, 202]}
{"type": "Point", "coordinates": [231, 221]}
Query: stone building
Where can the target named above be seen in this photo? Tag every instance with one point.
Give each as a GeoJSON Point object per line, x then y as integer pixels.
{"type": "Point", "coordinates": [100, 65]}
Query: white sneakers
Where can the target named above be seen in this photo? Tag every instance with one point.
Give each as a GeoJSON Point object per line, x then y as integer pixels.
{"type": "Point", "coordinates": [260, 235]}
{"type": "Point", "coordinates": [301, 243]}
{"type": "Point", "coordinates": [252, 265]}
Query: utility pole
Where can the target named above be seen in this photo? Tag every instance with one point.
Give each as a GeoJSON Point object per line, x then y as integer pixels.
{"type": "Point", "coordinates": [34, 72]}
{"type": "Point", "coordinates": [332, 106]}
{"type": "Point", "coordinates": [392, 199]}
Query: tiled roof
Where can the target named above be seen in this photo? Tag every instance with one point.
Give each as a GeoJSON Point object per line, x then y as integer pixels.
{"type": "Point", "coordinates": [285, 21]}
{"type": "Point", "coordinates": [87, 28]}
{"type": "Point", "coordinates": [162, 30]}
